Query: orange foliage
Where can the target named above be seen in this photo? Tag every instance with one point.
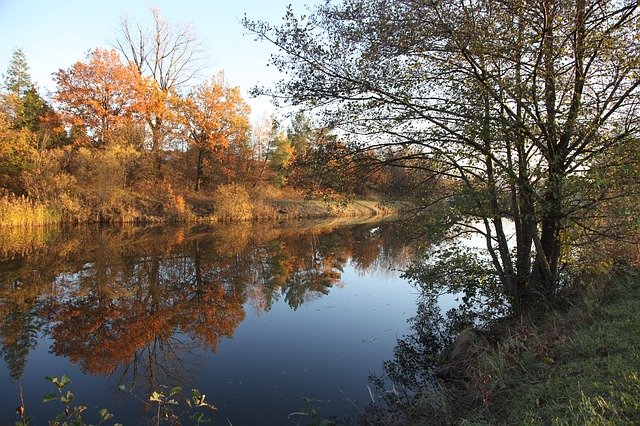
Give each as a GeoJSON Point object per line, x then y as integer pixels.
{"type": "Point", "coordinates": [158, 108]}
{"type": "Point", "coordinates": [216, 117]}
{"type": "Point", "coordinates": [99, 93]}
{"type": "Point", "coordinates": [216, 114]}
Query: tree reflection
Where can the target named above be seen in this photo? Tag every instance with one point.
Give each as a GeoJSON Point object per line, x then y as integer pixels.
{"type": "Point", "coordinates": [416, 370]}
{"type": "Point", "coordinates": [136, 302]}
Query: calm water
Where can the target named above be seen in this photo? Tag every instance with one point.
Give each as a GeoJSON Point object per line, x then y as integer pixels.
{"type": "Point", "coordinates": [257, 318]}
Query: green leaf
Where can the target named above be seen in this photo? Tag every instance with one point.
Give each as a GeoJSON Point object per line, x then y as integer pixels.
{"type": "Point", "coordinates": [26, 421]}
{"type": "Point", "coordinates": [156, 396]}
{"type": "Point", "coordinates": [175, 390]}
{"type": "Point", "coordinates": [49, 397]}
{"type": "Point", "coordinates": [104, 414]}
{"type": "Point", "coordinates": [64, 381]}
{"type": "Point", "coordinates": [66, 399]}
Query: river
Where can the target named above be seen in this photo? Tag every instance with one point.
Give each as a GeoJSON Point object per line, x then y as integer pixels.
{"type": "Point", "coordinates": [266, 321]}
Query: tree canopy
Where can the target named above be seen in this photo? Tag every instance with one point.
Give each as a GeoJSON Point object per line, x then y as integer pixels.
{"type": "Point", "coordinates": [518, 102]}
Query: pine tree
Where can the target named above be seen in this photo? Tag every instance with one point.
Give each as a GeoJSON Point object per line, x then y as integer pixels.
{"type": "Point", "coordinates": [17, 80]}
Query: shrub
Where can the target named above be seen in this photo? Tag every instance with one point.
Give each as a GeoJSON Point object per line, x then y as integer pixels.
{"type": "Point", "coordinates": [232, 202]}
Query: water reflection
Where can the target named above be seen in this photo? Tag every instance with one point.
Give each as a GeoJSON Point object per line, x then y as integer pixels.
{"type": "Point", "coordinates": [135, 302]}
{"type": "Point", "coordinates": [416, 382]}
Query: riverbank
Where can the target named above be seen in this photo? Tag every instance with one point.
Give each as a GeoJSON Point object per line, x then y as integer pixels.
{"type": "Point", "coordinates": [234, 205]}
{"type": "Point", "coordinates": [577, 365]}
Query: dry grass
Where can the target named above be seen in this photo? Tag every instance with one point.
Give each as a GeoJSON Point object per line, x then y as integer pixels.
{"type": "Point", "coordinates": [22, 211]}
{"type": "Point", "coordinates": [232, 203]}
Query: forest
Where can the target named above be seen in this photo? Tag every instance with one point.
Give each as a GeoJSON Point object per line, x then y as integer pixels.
{"type": "Point", "coordinates": [134, 133]}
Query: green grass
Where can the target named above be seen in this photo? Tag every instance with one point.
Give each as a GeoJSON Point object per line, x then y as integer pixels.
{"type": "Point", "coordinates": [577, 367]}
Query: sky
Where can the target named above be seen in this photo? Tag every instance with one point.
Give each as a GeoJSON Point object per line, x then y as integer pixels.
{"type": "Point", "coordinates": [56, 34]}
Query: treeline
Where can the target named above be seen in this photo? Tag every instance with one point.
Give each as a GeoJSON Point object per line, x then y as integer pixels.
{"type": "Point", "coordinates": [129, 134]}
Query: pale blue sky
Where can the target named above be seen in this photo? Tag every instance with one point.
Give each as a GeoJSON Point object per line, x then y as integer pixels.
{"type": "Point", "coordinates": [55, 34]}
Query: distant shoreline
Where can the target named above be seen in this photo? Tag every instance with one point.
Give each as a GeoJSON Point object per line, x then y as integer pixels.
{"type": "Point", "coordinates": [23, 212]}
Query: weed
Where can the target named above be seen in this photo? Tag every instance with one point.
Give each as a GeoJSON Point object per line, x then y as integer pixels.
{"type": "Point", "coordinates": [168, 407]}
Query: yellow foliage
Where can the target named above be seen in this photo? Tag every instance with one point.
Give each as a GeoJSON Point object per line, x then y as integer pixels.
{"type": "Point", "coordinates": [22, 211]}
{"type": "Point", "coordinates": [180, 204]}
{"type": "Point", "coordinates": [232, 202]}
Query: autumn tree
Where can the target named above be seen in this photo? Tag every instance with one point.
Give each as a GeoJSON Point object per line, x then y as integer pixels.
{"type": "Point", "coordinates": [259, 144]}
{"type": "Point", "coordinates": [27, 123]}
{"type": "Point", "coordinates": [168, 56]}
{"type": "Point", "coordinates": [215, 116]}
{"type": "Point", "coordinates": [327, 166]}
{"type": "Point", "coordinates": [514, 100]}
{"type": "Point", "coordinates": [302, 137]}
{"type": "Point", "coordinates": [98, 94]}
{"type": "Point", "coordinates": [16, 152]}
{"type": "Point", "coordinates": [25, 108]}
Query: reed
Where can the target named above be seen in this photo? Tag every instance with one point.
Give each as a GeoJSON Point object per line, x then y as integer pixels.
{"type": "Point", "coordinates": [23, 211]}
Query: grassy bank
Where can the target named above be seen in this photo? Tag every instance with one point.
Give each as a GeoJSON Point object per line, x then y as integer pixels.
{"type": "Point", "coordinates": [309, 209]}
{"type": "Point", "coordinates": [230, 204]}
{"type": "Point", "coordinates": [579, 365]}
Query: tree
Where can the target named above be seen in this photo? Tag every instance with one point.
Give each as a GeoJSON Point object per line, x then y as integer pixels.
{"type": "Point", "coordinates": [17, 79]}
{"type": "Point", "coordinates": [99, 94]}
{"type": "Point", "coordinates": [280, 157]}
{"type": "Point", "coordinates": [215, 116]}
{"type": "Point", "coordinates": [36, 114]}
{"type": "Point", "coordinates": [515, 100]}
{"type": "Point", "coordinates": [260, 144]}
{"type": "Point", "coordinates": [301, 133]}
{"type": "Point", "coordinates": [16, 154]}
{"type": "Point", "coordinates": [169, 56]}
{"type": "Point", "coordinates": [26, 109]}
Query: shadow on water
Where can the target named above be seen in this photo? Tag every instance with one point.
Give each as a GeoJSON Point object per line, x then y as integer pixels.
{"type": "Point", "coordinates": [137, 304]}
{"type": "Point", "coordinates": [459, 296]}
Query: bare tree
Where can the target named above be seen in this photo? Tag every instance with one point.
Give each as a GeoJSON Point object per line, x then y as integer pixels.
{"type": "Point", "coordinates": [167, 56]}
{"type": "Point", "coordinates": [172, 55]}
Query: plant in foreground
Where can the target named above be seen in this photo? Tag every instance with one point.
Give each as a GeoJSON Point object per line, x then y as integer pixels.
{"type": "Point", "coordinates": [168, 407]}
{"type": "Point", "coordinates": [312, 413]}
{"type": "Point", "coordinates": [72, 415]}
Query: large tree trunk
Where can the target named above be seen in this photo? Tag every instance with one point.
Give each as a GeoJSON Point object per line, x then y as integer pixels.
{"type": "Point", "coordinates": [550, 235]}
{"type": "Point", "coordinates": [548, 247]}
